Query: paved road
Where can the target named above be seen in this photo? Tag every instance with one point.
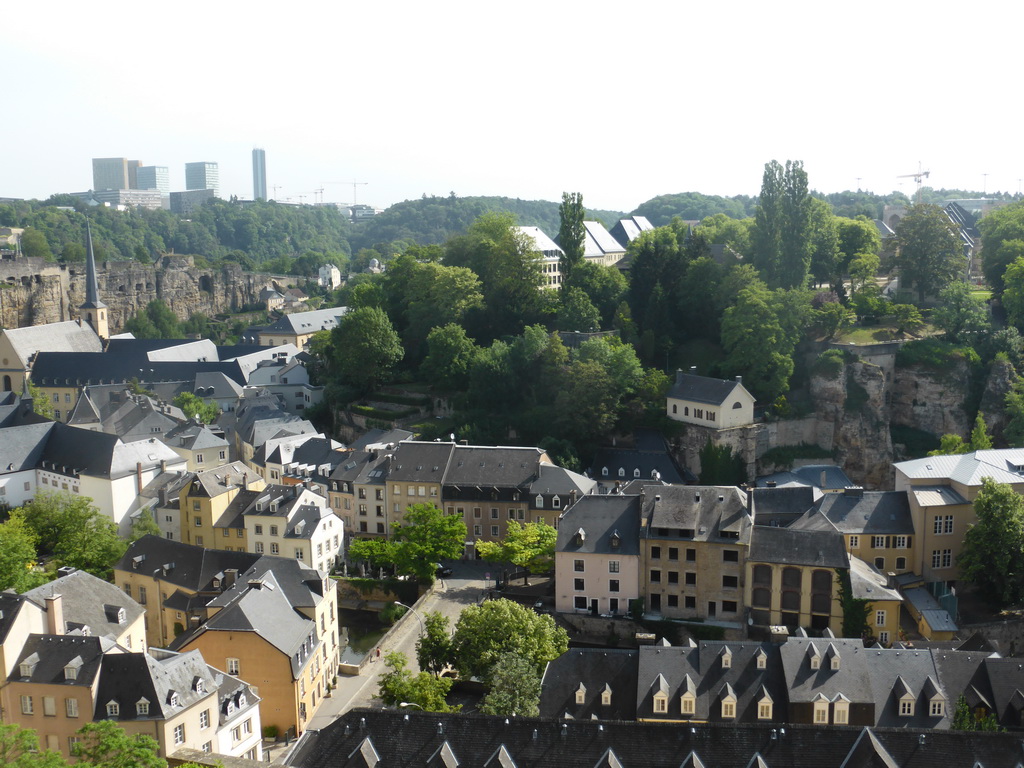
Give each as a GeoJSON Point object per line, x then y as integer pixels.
{"type": "Point", "coordinates": [451, 595]}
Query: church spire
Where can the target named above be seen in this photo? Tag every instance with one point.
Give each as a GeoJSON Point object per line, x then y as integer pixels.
{"type": "Point", "coordinates": [92, 290]}
{"type": "Point", "coordinates": [94, 311]}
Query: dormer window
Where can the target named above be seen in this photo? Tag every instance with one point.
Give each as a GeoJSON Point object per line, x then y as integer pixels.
{"type": "Point", "coordinates": [615, 541]}
{"type": "Point", "coordinates": [636, 473]}
{"type": "Point", "coordinates": [581, 694]}
{"type": "Point", "coordinates": [122, 617]}
{"type": "Point", "coordinates": [198, 686]}
{"type": "Point", "coordinates": [28, 666]}
{"type": "Point", "coordinates": [834, 661]}
{"type": "Point", "coordinates": [729, 706]}
{"type": "Point", "coordinates": [687, 704]}
{"type": "Point", "coordinates": [71, 670]}
{"type": "Point", "coordinates": [556, 502]}
{"type": "Point", "coordinates": [907, 706]}
{"type": "Point", "coordinates": [726, 658]}
{"type": "Point", "coordinates": [580, 537]}
{"type": "Point", "coordinates": [142, 707]}
{"type": "Point", "coordinates": [937, 707]}
{"type": "Point", "coordinates": [241, 700]}
{"type": "Point", "coordinates": [622, 471]}
{"type": "Point", "coordinates": [604, 471]}
{"type": "Point", "coordinates": [820, 710]}
{"type": "Point", "coordinates": [765, 706]}
{"type": "Point", "coordinates": [606, 696]}
{"type": "Point", "coordinates": [762, 659]}
{"type": "Point", "coordinates": [216, 583]}
{"type": "Point", "coordinates": [113, 709]}
{"type": "Point", "coordinates": [660, 703]}
{"type": "Point", "coordinates": [841, 710]}
{"type": "Point", "coordinates": [814, 657]}
{"type": "Point", "coordinates": [173, 699]}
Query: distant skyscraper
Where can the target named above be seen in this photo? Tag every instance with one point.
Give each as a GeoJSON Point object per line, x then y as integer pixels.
{"type": "Point", "coordinates": [202, 176]}
{"type": "Point", "coordinates": [110, 173]}
{"type": "Point", "coordinates": [133, 174]}
{"type": "Point", "coordinates": [153, 177]}
{"type": "Point", "coordinates": [259, 174]}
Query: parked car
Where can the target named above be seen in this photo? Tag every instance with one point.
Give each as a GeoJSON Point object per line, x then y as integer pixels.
{"type": "Point", "coordinates": [442, 571]}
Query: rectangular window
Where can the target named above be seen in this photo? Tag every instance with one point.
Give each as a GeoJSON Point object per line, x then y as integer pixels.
{"type": "Point", "coordinates": [655, 576]}
{"type": "Point", "coordinates": [673, 577]}
{"type": "Point", "coordinates": [259, 547]}
{"type": "Point", "coordinates": [730, 555]}
{"type": "Point", "coordinates": [299, 553]}
{"type": "Point", "coordinates": [577, 565]}
{"type": "Point", "coordinates": [613, 566]}
{"type": "Point", "coordinates": [204, 719]}
{"type": "Point", "coordinates": [197, 521]}
{"type": "Point", "coordinates": [949, 524]}
{"type": "Point", "coordinates": [613, 585]}
{"type": "Point", "coordinates": [673, 601]}
{"type": "Point", "coordinates": [691, 555]}
{"type": "Point", "coordinates": [275, 549]}
{"type": "Point", "coordinates": [655, 553]}
{"type": "Point", "coordinates": [142, 595]}
{"type": "Point", "coordinates": [273, 530]}
{"type": "Point", "coordinates": [729, 606]}
{"type": "Point", "coordinates": [879, 618]}
{"type": "Point", "coordinates": [494, 530]}
{"type": "Point", "coordinates": [673, 553]}
{"type": "Point", "coordinates": [854, 542]}
{"type": "Point", "coordinates": [821, 714]}
{"type": "Point", "coordinates": [71, 707]}
{"type": "Point", "coordinates": [259, 530]}
{"type": "Point", "coordinates": [179, 734]}
{"type": "Point", "coordinates": [901, 542]}
{"type": "Point", "coordinates": [577, 584]}
{"type": "Point", "coordinates": [690, 579]}
{"type": "Point", "coordinates": [579, 603]}
{"type": "Point", "coordinates": [878, 542]}
{"type": "Point", "coordinates": [690, 601]}
{"type": "Point", "coordinates": [26, 701]}
{"type": "Point", "coordinates": [937, 524]}
{"type": "Point", "coordinates": [730, 582]}
{"type": "Point", "coordinates": [232, 665]}
{"type": "Point", "coordinates": [841, 716]}
{"type": "Point", "coordinates": [880, 563]}
{"type": "Point", "coordinates": [947, 558]}
{"type": "Point", "coordinates": [478, 530]}
{"type": "Point", "coordinates": [49, 706]}
{"type": "Point", "coordinates": [901, 563]}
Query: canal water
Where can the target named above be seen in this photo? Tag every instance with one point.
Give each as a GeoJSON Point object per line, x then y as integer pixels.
{"type": "Point", "coordinates": [361, 634]}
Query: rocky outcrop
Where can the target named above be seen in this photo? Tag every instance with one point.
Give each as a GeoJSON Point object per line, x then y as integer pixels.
{"type": "Point", "coordinates": [853, 400]}
{"type": "Point", "coordinates": [932, 401]}
{"type": "Point", "coordinates": [993, 400]}
{"type": "Point", "coordinates": [33, 291]}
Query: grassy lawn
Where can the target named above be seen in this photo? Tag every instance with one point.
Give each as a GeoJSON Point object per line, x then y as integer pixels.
{"type": "Point", "coordinates": [981, 294]}
{"type": "Point", "coordinates": [874, 334]}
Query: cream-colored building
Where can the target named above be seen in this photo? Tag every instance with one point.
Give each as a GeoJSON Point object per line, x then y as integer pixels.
{"type": "Point", "coordinates": [19, 346]}
{"type": "Point", "coordinates": [298, 327]}
{"type": "Point", "coordinates": [597, 556]}
{"type": "Point", "coordinates": [708, 402]}
{"type": "Point", "coordinates": [206, 517]}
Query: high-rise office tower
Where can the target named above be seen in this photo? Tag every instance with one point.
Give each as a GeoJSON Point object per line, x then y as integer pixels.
{"type": "Point", "coordinates": [110, 173]}
{"type": "Point", "coordinates": [259, 174]}
{"type": "Point", "coordinates": [202, 176]}
{"type": "Point", "coordinates": [153, 177]}
{"type": "Point", "coordinates": [133, 174]}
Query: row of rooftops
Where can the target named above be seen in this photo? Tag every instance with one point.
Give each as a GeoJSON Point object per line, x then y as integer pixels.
{"type": "Point", "coordinates": [365, 738]}
{"type": "Point", "coordinates": [610, 684]}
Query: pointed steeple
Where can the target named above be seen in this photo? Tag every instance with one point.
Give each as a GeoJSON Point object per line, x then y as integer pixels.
{"type": "Point", "coordinates": [94, 311]}
{"type": "Point", "coordinates": [92, 289]}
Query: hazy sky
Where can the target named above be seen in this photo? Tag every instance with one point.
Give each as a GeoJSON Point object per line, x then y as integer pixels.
{"type": "Point", "coordinates": [619, 101]}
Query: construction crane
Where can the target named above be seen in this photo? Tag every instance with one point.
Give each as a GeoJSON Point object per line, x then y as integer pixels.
{"type": "Point", "coordinates": [354, 185]}
{"type": "Point", "coordinates": [917, 177]}
{"type": "Point", "coordinates": [319, 192]}
{"type": "Point", "coordinates": [275, 188]}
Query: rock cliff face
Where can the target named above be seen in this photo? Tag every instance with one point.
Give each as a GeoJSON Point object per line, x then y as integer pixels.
{"type": "Point", "coordinates": [33, 292]}
{"type": "Point", "coordinates": [993, 399]}
{"type": "Point", "coordinates": [854, 402]}
{"type": "Point", "coordinates": [932, 401]}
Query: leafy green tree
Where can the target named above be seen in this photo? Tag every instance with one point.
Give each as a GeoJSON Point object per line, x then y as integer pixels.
{"type": "Point", "coordinates": [434, 648]}
{"type": "Point", "coordinates": [72, 253]}
{"type": "Point", "coordinates": [74, 531]}
{"type": "Point", "coordinates": [992, 557]}
{"type": "Point", "coordinates": [656, 269]}
{"type": "Point", "coordinates": [18, 554]}
{"type": "Point", "coordinates": [41, 405]}
{"type": "Point", "coordinates": [19, 748]}
{"type": "Point", "coordinates": [485, 632]}
{"type": "Point", "coordinates": [1014, 430]}
{"type": "Point", "coordinates": [576, 312]}
{"type": "Point", "coordinates": [379, 553]}
{"type": "Point", "coordinates": [450, 357]}
{"type": "Point", "coordinates": [400, 686]}
{"type": "Point", "coordinates": [782, 232]}
{"type": "Point", "coordinates": [194, 407]}
{"type": "Point", "coordinates": [721, 229]}
{"type": "Point", "coordinates": [35, 245]}
{"type": "Point", "coordinates": [965, 720]}
{"type": "Point", "coordinates": [835, 318]}
{"type": "Point", "coordinates": [823, 242]}
{"type": "Point", "coordinates": [144, 525]}
{"type": "Point", "coordinates": [530, 546]}
{"type": "Point", "coordinates": [756, 343]}
{"type": "Point", "coordinates": [426, 536]}
{"type": "Point", "coordinates": [1013, 292]}
{"type": "Point", "coordinates": [514, 688]}
{"type": "Point", "coordinates": [105, 744]}
{"type": "Point", "coordinates": [1002, 242]}
{"type": "Point", "coordinates": [571, 232]}
{"type": "Point", "coordinates": [980, 440]}
{"type": "Point", "coordinates": [366, 348]}
{"type": "Point", "coordinates": [906, 317]}
{"type": "Point", "coordinates": [961, 317]}
{"type": "Point", "coordinates": [929, 254]}
{"type": "Point", "coordinates": [587, 404]}
{"type": "Point", "coordinates": [605, 287]}
{"type": "Point", "coordinates": [155, 321]}
{"type": "Point", "coordinates": [951, 445]}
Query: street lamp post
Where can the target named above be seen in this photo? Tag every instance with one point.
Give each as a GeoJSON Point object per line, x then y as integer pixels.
{"type": "Point", "coordinates": [423, 627]}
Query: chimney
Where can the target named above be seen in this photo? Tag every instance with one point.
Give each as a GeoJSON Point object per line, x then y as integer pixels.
{"type": "Point", "coordinates": [739, 379]}
{"type": "Point", "coordinates": [163, 465]}
{"type": "Point", "coordinates": [230, 574]}
{"type": "Point", "coordinates": [693, 370]}
{"type": "Point", "coordinates": [55, 614]}
{"type": "Point", "coordinates": [138, 477]}
{"type": "Point", "coordinates": [679, 375]}
{"type": "Point", "coordinates": [822, 481]}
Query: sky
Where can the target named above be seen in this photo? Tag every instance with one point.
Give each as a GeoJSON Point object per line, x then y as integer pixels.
{"type": "Point", "coordinates": [618, 101]}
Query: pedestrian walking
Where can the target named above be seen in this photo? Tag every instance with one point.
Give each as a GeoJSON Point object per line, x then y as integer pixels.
{"type": "Point", "coordinates": [378, 654]}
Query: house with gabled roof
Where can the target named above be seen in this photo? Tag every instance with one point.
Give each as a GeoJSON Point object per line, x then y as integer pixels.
{"type": "Point", "coordinates": [597, 555]}
{"type": "Point", "coordinates": [583, 685]}
{"type": "Point", "coordinates": [709, 402]}
{"type": "Point", "coordinates": [298, 327]}
{"type": "Point", "coordinates": [19, 347]}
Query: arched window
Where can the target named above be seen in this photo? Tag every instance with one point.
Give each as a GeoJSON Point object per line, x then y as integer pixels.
{"type": "Point", "coordinates": [604, 471]}
{"type": "Point", "coordinates": [622, 471]}
{"type": "Point", "coordinates": [539, 502]}
{"type": "Point", "coordinates": [7, 383]}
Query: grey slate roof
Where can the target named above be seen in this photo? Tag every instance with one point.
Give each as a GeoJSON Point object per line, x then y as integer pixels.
{"type": "Point", "coordinates": [702, 389]}
{"type": "Point", "coordinates": [866, 512]}
{"type": "Point", "coordinates": [307, 322]}
{"type": "Point", "coordinates": [698, 513]}
{"type": "Point", "coordinates": [52, 653]}
{"type": "Point", "coordinates": [596, 668]}
{"type": "Point", "coordinates": [11, 604]}
{"type": "Point", "coordinates": [827, 477]}
{"type": "Point", "coordinates": [781, 506]}
{"type": "Point", "coordinates": [487, 466]}
{"type": "Point", "coordinates": [191, 567]}
{"type": "Point", "coordinates": [85, 452]}
{"type": "Point", "coordinates": [421, 462]}
{"type": "Point", "coordinates": [24, 446]}
{"type": "Point", "coordinates": [795, 547]}
{"type": "Point", "coordinates": [409, 738]}
{"type": "Point", "coordinates": [627, 230]}
{"type": "Point", "coordinates": [77, 369]}
{"type": "Point", "coordinates": [88, 601]}
{"type": "Point", "coordinates": [601, 517]}
{"type": "Point", "coordinates": [53, 337]}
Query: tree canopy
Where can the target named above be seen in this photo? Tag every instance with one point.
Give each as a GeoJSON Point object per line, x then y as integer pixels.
{"type": "Point", "coordinates": [425, 537]}
{"type": "Point", "coordinates": [365, 348]}
{"type": "Point", "coordinates": [929, 254]}
{"type": "Point", "coordinates": [992, 557]}
{"type": "Point", "coordinates": [530, 546]}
